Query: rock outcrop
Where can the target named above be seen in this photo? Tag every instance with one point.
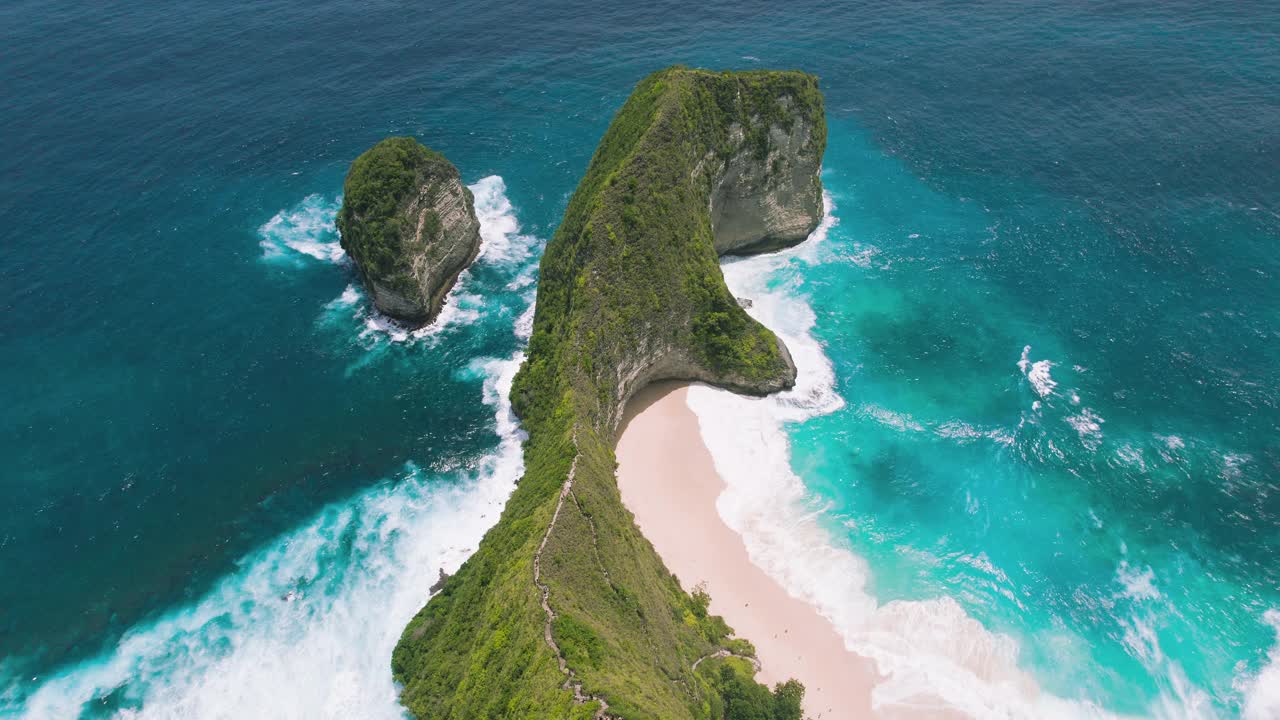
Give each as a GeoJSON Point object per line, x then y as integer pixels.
{"type": "Point", "coordinates": [410, 226]}
{"type": "Point", "coordinates": [768, 194]}
{"type": "Point", "coordinates": [565, 610]}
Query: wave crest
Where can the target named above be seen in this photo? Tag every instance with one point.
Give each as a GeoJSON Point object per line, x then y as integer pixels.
{"type": "Point", "coordinates": [305, 230]}
{"type": "Point", "coordinates": [931, 652]}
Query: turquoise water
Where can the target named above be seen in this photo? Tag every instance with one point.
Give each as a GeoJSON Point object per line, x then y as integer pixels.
{"type": "Point", "coordinates": [1048, 304]}
{"type": "Point", "coordinates": [1090, 413]}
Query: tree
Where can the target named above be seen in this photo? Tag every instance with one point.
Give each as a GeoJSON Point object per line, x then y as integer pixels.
{"type": "Point", "coordinates": [787, 700]}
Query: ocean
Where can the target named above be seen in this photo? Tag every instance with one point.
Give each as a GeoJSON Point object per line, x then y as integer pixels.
{"type": "Point", "coordinates": [1031, 466]}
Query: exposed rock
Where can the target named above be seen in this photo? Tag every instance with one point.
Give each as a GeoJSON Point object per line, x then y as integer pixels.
{"type": "Point", "coordinates": [768, 194]}
{"type": "Point", "coordinates": [410, 226]}
{"type": "Point", "coordinates": [439, 583]}
{"type": "Point", "coordinates": [745, 303]}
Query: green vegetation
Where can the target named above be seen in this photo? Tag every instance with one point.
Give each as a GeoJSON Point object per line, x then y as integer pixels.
{"type": "Point", "coordinates": [630, 291]}
{"type": "Point", "coordinates": [744, 699]}
{"type": "Point", "coordinates": [379, 182]}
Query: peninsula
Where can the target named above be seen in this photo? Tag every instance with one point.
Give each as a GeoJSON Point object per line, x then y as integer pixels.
{"type": "Point", "coordinates": [565, 610]}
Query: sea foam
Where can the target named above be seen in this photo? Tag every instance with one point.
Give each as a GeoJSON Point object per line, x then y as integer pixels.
{"type": "Point", "coordinates": [305, 230]}
{"type": "Point", "coordinates": [304, 628]}
{"type": "Point", "coordinates": [502, 247]}
{"type": "Point", "coordinates": [1262, 692]}
{"type": "Point", "coordinates": [931, 652]}
{"type": "Point", "coordinates": [501, 240]}
{"type": "Point", "coordinates": [1039, 373]}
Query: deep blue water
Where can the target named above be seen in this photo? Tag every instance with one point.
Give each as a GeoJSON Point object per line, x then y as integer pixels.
{"type": "Point", "coordinates": [189, 400]}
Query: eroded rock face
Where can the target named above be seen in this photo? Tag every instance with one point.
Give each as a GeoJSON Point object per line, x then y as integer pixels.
{"type": "Point", "coordinates": [768, 195]}
{"type": "Point", "coordinates": [410, 226]}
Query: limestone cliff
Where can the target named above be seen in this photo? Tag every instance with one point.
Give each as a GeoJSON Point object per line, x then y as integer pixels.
{"type": "Point", "coordinates": [767, 193]}
{"type": "Point", "coordinates": [410, 226]}
{"type": "Point", "coordinates": [564, 610]}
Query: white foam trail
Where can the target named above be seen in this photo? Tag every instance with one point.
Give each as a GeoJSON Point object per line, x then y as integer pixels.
{"type": "Point", "coordinates": [460, 309]}
{"type": "Point", "coordinates": [931, 652]}
{"type": "Point", "coordinates": [896, 420]}
{"type": "Point", "coordinates": [1143, 605]}
{"type": "Point", "coordinates": [306, 229]}
{"type": "Point", "coordinates": [1231, 463]}
{"type": "Point", "coordinates": [350, 296]}
{"type": "Point", "coordinates": [1037, 373]}
{"type": "Point", "coordinates": [501, 241]}
{"type": "Point", "coordinates": [373, 329]}
{"type": "Point", "coordinates": [305, 627]}
{"type": "Point", "coordinates": [1138, 584]}
{"type": "Point", "coordinates": [1262, 692]}
{"type": "Point", "coordinates": [1086, 423]}
{"type": "Point", "coordinates": [1131, 456]}
{"type": "Point", "coordinates": [524, 323]}
{"type": "Point", "coordinates": [862, 256]}
{"type": "Point", "coordinates": [963, 432]}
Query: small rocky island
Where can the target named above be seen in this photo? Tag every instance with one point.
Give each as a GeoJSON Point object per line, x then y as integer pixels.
{"type": "Point", "coordinates": [565, 610]}
{"type": "Point", "coordinates": [410, 226]}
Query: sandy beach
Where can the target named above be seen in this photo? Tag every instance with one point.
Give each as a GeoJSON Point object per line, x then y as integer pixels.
{"type": "Point", "coordinates": [668, 480]}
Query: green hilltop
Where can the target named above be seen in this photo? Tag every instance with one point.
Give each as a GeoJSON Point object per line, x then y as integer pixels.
{"type": "Point", "coordinates": [565, 610]}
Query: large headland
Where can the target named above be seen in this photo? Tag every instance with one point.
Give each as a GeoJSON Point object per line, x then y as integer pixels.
{"type": "Point", "coordinates": [565, 610]}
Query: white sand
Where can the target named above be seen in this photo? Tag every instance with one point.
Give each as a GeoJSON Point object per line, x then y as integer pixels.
{"type": "Point", "coordinates": [668, 480]}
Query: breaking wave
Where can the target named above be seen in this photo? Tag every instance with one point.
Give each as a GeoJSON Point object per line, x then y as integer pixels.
{"type": "Point", "coordinates": [1262, 691]}
{"type": "Point", "coordinates": [306, 626]}
{"type": "Point", "coordinates": [932, 653]}
{"type": "Point", "coordinates": [305, 230]}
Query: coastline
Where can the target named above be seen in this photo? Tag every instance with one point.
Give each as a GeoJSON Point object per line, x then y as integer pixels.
{"type": "Point", "coordinates": [668, 481]}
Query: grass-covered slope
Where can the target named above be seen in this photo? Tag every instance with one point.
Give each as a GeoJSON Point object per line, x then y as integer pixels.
{"type": "Point", "coordinates": [565, 610]}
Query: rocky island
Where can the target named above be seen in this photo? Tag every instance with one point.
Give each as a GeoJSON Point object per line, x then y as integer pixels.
{"type": "Point", "coordinates": [410, 226]}
{"type": "Point", "coordinates": [565, 610]}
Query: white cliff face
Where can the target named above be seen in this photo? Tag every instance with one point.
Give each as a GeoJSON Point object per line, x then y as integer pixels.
{"type": "Point", "coordinates": [444, 240]}
{"type": "Point", "coordinates": [766, 201]}
{"type": "Point", "coordinates": [438, 237]}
